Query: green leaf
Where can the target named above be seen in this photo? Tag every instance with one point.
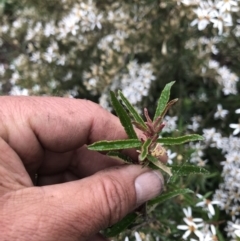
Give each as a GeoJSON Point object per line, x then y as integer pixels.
{"type": "Point", "coordinates": [188, 199]}
{"type": "Point", "coordinates": [167, 107]}
{"type": "Point", "coordinates": [163, 100]}
{"type": "Point", "coordinates": [186, 170]}
{"type": "Point", "coordinates": [179, 140]}
{"type": "Point", "coordinates": [114, 145]}
{"type": "Point", "coordinates": [123, 116]}
{"type": "Point", "coordinates": [220, 236]}
{"type": "Point", "coordinates": [132, 110]}
{"type": "Point", "coordinates": [144, 149]}
{"type": "Point", "coordinates": [120, 156]}
{"type": "Point", "coordinates": [207, 195]}
{"type": "Point", "coordinates": [169, 195]}
{"type": "Point", "coordinates": [159, 164]}
{"type": "Point", "coordinates": [121, 226]}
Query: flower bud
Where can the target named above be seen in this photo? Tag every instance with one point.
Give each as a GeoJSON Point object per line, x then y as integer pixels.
{"type": "Point", "coordinates": [160, 153]}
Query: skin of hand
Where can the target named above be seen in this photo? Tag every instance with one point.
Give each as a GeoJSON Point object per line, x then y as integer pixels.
{"type": "Point", "coordinates": [78, 192]}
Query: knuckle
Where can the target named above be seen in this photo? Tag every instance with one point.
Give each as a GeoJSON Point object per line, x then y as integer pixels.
{"type": "Point", "coordinates": [115, 200]}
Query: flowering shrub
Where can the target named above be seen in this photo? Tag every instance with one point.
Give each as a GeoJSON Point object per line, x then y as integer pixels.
{"type": "Point", "coordinates": [84, 49]}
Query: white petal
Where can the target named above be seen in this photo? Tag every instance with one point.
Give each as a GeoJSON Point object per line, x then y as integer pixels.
{"type": "Point", "coordinates": [199, 195]}
{"type": "Point", "coordinates": [182, 227]}
{"type": "Point", "coordinates": [200, 204]}
{"type": "Point", "coordinates": [186, 234]}
{"type": "Point", "coordinates": [236, 226]}
{"type": "Point", "coordinates": [185, 210]}
{"type": "Point", "coordinates": [211, 209]}
{"type": "Point", "coordinates": [202, 24]}
{"type": "Point", "coordinates": [189, 222]}
{"type": "Point", "coordinates": [199, 234]}
{"type": "Point", "coordinates": [197, 220]}
{"type": "Point", "coordinates": [237, 232]}
{"type": "Point", "coordinates": [236, 131]}
{"type": "Point", "coordinates": [213, 229]}
{"type": "Point", "coordinates": [234, 126]}
{"type": "Point", "coordinates": [137, 236]}
{"type": "Point", "coordinates": [194, 22]}
{"type": "Point", "coordinates": [220, 28]}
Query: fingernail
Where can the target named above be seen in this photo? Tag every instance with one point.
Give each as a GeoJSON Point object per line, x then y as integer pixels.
{"type": "Point", "coordinates": [148, 185]}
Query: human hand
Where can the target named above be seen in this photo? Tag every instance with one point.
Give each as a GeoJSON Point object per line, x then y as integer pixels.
{"type": "Point", "coordinates": [78, 192]}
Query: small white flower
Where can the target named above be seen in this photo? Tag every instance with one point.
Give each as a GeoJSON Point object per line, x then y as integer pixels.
{"type": "Point", "coordinates": [234, 210]}
{"type": "Point", "coordinates": [230, 229]}
{"type": "Point", "coordinates": [220, 20]}
{"type": "Point", "coordinates": [171, 155]}
{"type": "Point", "coordinates": [208, 204]}
{"type": "Point", "coordinates": [171, 123]}
{"type": "Point", "coordinates": [188, 214]}
{"type": "Point", "coordinates": [226, 5]}
{"type": "Point", "coordinates": [236, 127]}
{"type": "Point", "coordinates": [212, 64]}
{"type": "Point", "coordinates": [208, 236]}
{"type": "Point", "coordinates": [201, 163]}
{"type": "Point", "coordinates": [202, 20]}
{"type": "Point", "coordinates": [209, 134]}
{"type": "Point", "coordinates": [49, 29]}
{"type": "Point", "coordinates": [191, 227]}
{"type": "Point", "coordinates": [220, 113]}
{"type": "Point", "coordinates": [196, 120]}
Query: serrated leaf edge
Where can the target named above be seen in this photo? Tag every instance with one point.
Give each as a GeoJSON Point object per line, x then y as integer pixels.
{"type": "Point", "coordinates": [132, 110]}
{"type": "Point", "coordinates": [177, 140]}
{"type": "Point", "coordinates": [132, 143]}
{"type": "Point", "coordinates": [160, 106]}
{"type": "Point", "coordinates": [123, 116]}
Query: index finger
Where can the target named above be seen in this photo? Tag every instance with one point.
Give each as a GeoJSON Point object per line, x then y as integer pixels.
{"type": "Point", "coordinates": [64, 124]}
{"type": "Point", "coordinates": [32, 124]}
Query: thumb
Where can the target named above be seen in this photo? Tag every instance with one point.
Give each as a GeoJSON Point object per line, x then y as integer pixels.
{"type": "Point", "coordinates": [77, 210]}
{"type": "Point", "coordinates": [99, 201]}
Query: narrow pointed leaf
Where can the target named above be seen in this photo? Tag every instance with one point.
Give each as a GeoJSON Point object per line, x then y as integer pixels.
{"type": "Point", "coordinates": [139, 126]}
{"type": "Point", "coordinates": [123, 116]}
{"type": "Point", "coordinates": [115, 145]}
{"type": "Point", "coordinates": [186, 170]}
{"type": "Point", "coordinates": [121, 225]}
{"type": "Point", "coordinates": [207, 195]}
{"type": "Point", "coordinates": [167, 107]}
{"type": "Point", "coordinates": [159, 165]}
{"type": "Point", "coordinates": [144, 149]}
{"type": "Point", "coordinates": [189, 199]}
{"type": "Point", "coordinates": [132, 110]}
{"type": "Point", "coordinates": [179, 140]}
{"type": "Point", "coordinates": [220, 236]}
{"type": "Point", "coordinates": [120, 157]}
{"type": "Point", "coordinates": [169, 195]}
{"type": "Point", "coordinates": [163, 100]}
